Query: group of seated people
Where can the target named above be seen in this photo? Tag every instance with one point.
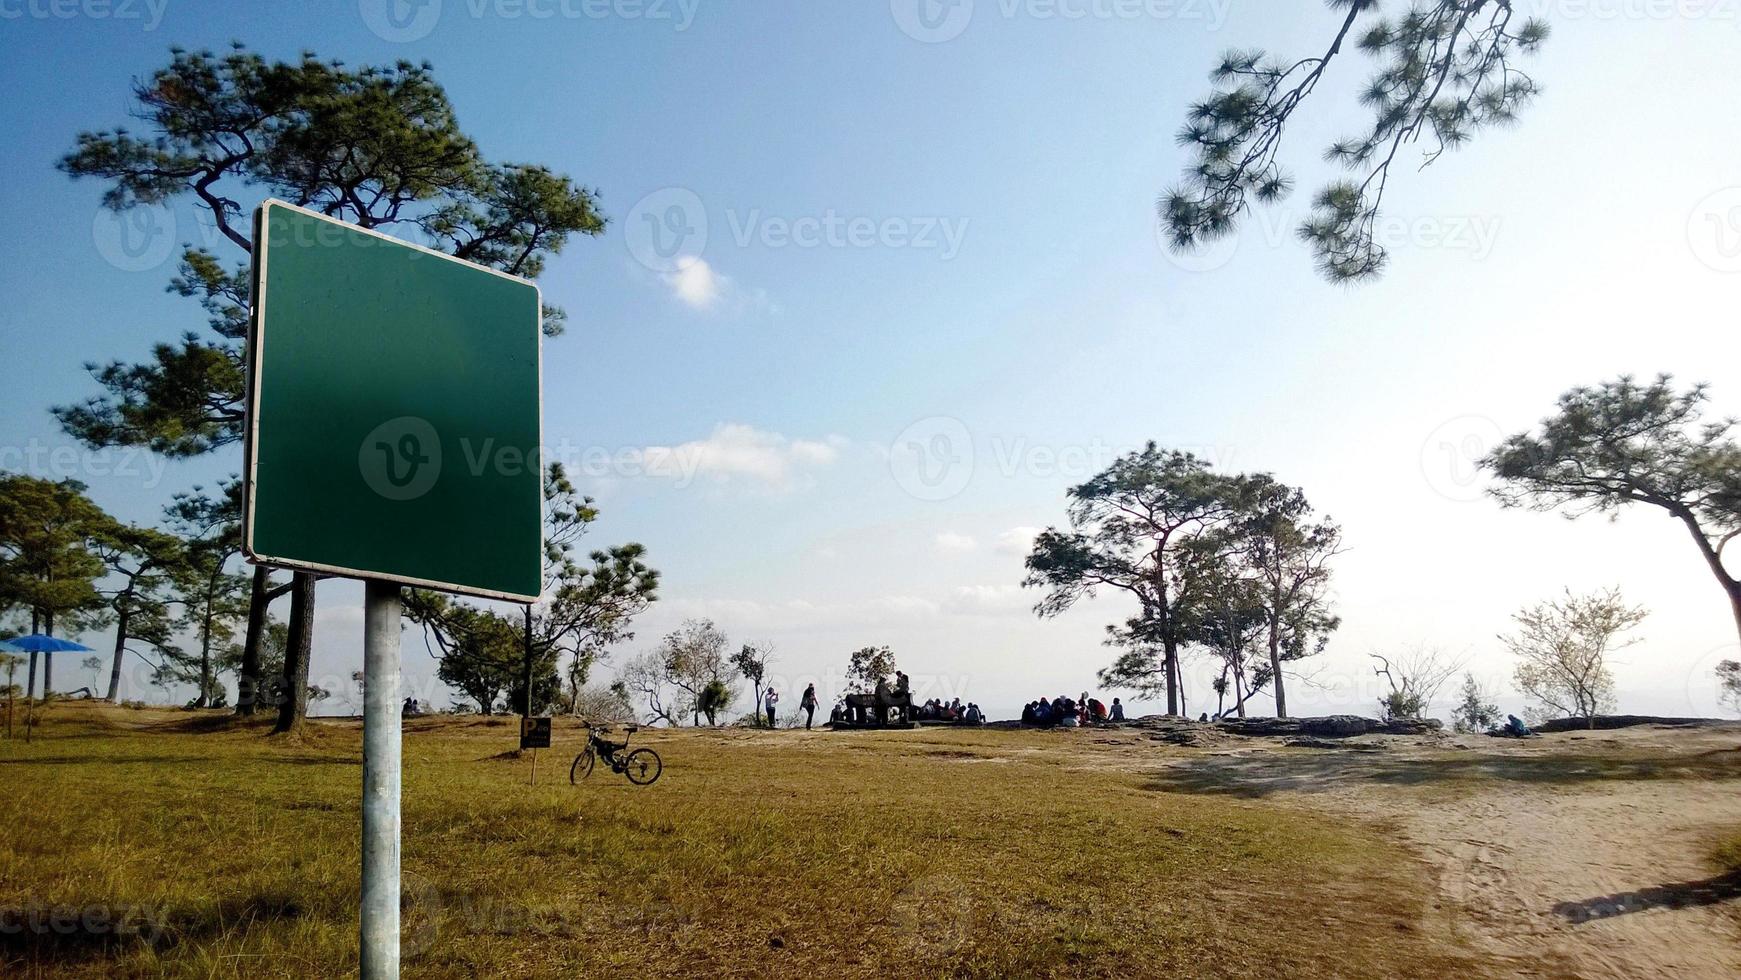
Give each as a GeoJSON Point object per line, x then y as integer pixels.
{"type": "Point", "coordinates": [1064, 712]}
{"type": "Point", "coordinates": [938, 710]}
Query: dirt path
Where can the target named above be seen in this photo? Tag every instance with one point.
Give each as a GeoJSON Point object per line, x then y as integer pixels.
{"type": "Point", "coordinates": [1601, 883]}
{"type": "Point", "coordinates": [1565, 856]}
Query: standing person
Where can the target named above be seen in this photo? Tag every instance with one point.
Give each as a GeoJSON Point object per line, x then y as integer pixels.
{"type": "Point", "coordinates": [808, 703]}
{"type": "Point", "coordinates": [773, 698]}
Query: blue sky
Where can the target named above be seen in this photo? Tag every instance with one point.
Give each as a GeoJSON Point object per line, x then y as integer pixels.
{"type": "Point", "coordinates": [1009, 297]}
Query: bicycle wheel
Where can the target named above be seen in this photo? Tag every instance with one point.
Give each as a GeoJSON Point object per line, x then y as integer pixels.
{"type": "Point", "coordinates": [643, 766]}
{"type": "Point", "coordinates": [582, 767]}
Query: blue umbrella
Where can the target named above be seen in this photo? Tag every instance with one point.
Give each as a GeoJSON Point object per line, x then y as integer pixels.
{"type": "Point", "coordinates": [43, 643]}
{"type": "Point", "coordinates": [7, 647]}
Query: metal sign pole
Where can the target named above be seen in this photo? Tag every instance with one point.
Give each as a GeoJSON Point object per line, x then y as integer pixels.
{"type": "Point", "coordinates": [526, 715]}
{"type": "Point", "coordinates": [381, 770]}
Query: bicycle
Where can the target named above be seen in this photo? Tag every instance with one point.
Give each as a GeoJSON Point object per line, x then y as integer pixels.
{"type": "Point", "coordinates": [641, 766]}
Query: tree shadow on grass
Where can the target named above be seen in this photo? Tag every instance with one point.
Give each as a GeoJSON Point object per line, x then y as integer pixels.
{"type": "Point", "coordinates": [1678, 895]}
{"type": "Point", "coordinates": [36, 934]}
{"type": "Point", "coordinates": [1257, 776]}
{"type": "Point", "coordinates": [175, 760]}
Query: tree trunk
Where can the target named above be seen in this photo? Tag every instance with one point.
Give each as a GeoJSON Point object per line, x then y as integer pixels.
{"type": "Point", "coordinates": [1731, 587]}
{"type": "Point", "coordinates": [204, 699]}
{"type": "Point", "coordinates": [121, 623]}
{"type": "Point", "coordinates": [1172, 667]}
{"type": "Point", "coordinates": [248, 678]}
{"type": "Point", "coordinates": [1275, 666]}
{"type": "Point", "coordinates": [1734, 589]}
{"type": "Point", "coordinates": [30, 692]}
{"type": "Point", "coordinates": [293, 704]}
{"type": "Point", "coordinates": [47, 658]}
{"type": "Point", "coordinates": [1179, 679]}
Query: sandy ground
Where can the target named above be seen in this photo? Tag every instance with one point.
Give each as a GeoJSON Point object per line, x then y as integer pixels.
{"type": "Point", "coordinates": [1569, 855]}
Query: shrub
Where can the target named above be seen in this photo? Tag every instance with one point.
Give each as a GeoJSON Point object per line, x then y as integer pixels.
{"type": "Point", "coordinates": [1474, 712]}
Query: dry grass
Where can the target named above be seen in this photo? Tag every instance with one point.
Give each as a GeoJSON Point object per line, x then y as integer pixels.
{"type": "Point", "coordinates": [985, 853]}
{"type": "Point", "coordinates": [1727, 854]}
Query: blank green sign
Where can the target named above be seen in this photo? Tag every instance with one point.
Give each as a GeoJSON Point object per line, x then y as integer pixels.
{"type": "Point", "coordinates": [394, 420]}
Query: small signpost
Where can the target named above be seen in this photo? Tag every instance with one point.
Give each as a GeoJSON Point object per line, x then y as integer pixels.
{"type": "Point", "coordinates": [534, 733]}
{"type": "Point", "coordinates": [394, 432]}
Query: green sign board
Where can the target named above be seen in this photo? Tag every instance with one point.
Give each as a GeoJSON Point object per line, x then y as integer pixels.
{"type": "Point", "coordinates": [394, 422]}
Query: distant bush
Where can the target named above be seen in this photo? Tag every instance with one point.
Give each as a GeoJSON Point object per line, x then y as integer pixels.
{"type": "Point", "coordinates": [1414, 677]}
{"type": "Point", "coordinates": [133, 705]}
{"type": "Point", "coordinates": [1401, 704]}
{"type": "Point", "coordinates": [1729, 685]}
{"type": "Point", "coordinates": [1474, 713]}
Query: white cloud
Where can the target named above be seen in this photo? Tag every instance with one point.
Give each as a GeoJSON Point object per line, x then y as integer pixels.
{"type": "Point", "coordinates": [699, 286]}
{"type": "Point", "coordinates": [754, 616]}
{"type": "Point", "coordinates": [1017, 540]}
{"type": "Point", "coordinates": [988, 600]}
{"type": "Point", "coordinates": [735, 450]}
{"type": "Point", "coordinates": [953, 542]}
{"type": "Point", "coordinates": [696, 283]}
{"type": "Point", "coordinates": [891, 611]}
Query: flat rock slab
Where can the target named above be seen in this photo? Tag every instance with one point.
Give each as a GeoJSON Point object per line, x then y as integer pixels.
{"type": "Point", "coordinates": [1331, 726]}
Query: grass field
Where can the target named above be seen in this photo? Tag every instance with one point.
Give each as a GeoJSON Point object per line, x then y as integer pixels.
{"type": "Point", "coordinates": [158, 842]}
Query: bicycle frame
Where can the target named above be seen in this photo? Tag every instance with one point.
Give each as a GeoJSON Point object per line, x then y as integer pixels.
{"type": "Point", "coordinates": [612, 754]}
